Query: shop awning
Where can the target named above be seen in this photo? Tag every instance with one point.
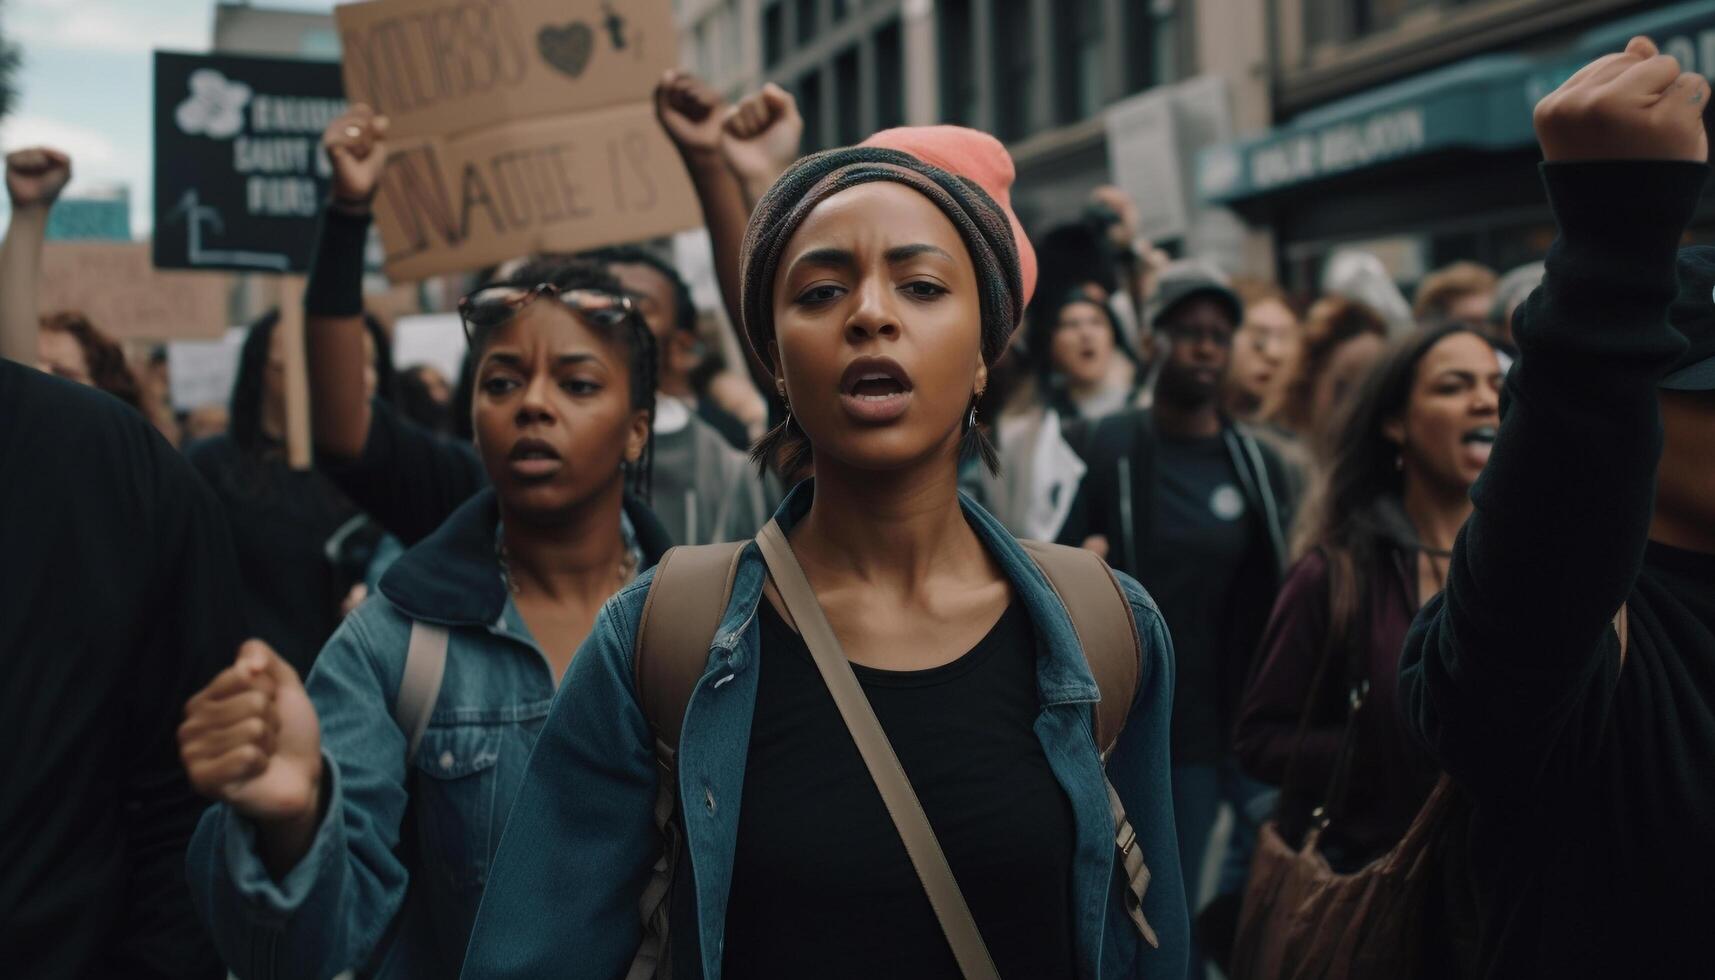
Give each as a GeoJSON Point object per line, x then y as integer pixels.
{"type": "Point", "coordinates": [1480, 104]}
{"type": "Point", "coordinates": [1483, 103]}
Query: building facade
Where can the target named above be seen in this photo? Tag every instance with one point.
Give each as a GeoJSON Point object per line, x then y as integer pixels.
{"type": "Point", "coordinates": [1404, 126]}
{"type": "Point", "coordinates": [1046, 76]}
{"type": "Point", "coordinates": [719, 42]}
{"type": "Point", "coordinates": [240, 28]}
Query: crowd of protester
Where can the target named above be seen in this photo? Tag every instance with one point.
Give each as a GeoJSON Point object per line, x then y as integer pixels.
{"type": "Point", "coordinates": [1378, 559]}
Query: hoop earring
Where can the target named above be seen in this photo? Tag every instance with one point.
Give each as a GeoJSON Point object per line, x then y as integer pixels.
{"type": "Point", "coordinates": [971, 422]}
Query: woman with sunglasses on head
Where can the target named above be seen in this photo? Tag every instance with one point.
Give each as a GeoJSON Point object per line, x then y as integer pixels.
{"type": "Point", "coordinates": [879, 288]}
{"type": "Point", "coordinates": [406, 476]}
{"type": "Point", "coordinates": [355, 823]}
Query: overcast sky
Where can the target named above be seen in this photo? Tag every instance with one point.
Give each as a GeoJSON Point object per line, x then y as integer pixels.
{"type": "Point", "coordinates": [85, 86]}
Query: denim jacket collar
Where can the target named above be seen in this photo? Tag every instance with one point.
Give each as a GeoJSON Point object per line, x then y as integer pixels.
{"type": "Point", "coordinates": [1063, 675]}
{"type": "Point", "coordinates": [452, 577]}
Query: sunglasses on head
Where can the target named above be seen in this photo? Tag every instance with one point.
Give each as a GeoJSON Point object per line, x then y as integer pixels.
{"type": "Point", "coordinates": [492, 305]}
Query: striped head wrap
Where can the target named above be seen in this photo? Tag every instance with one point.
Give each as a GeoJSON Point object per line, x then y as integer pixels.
{"type": "Point", "coordinates": [985, 227]}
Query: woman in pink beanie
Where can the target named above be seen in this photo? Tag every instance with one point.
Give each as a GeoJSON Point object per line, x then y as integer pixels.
{"type": "Point", "coordinates": [879, 288]}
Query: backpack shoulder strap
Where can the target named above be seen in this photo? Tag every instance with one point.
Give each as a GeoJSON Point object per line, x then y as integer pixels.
{"type": "Point", "coordinates": [1101, 616]}
{"type": "Point", "coordinates": [420, 687]}
{"type": "Point", "coordinates": [687, 597]}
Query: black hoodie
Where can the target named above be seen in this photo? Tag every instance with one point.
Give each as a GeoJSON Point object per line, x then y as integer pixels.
{"type": "Point", "coordinates": [1593, 783]}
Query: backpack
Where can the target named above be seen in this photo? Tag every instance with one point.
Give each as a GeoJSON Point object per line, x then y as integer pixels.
{"type": "Point", "coordinates": [671, 654]}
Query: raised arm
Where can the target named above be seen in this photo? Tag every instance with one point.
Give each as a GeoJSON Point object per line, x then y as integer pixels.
{"type": "Point", "coordinates": [732, 154]}
{"type": "Point", "coordinates": [333, 298]}
{"type": "Point", "coordinates": [1520, 640]}
{"type": "Point", "coordinates": [34, 179]}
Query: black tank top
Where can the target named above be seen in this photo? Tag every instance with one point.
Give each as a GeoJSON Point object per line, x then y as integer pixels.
{"type": "Point", "coordinates": [822, 886]}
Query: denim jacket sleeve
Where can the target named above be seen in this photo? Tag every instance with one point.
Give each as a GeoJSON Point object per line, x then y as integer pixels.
{"type": "Point", "coordinates": [581, 840]}
{"type": "Point", "coordinates": [330, 912]}
{"type": "Point", "coordinates": [1141, 771]}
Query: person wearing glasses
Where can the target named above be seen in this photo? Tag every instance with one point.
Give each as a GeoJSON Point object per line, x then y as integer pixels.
{"type": "Point", "coordinates": [346, 838]}
{"type": "Point", "coordinates": [1196, 508]}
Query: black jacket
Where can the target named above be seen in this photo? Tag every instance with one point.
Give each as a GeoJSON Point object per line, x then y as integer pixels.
{"type": "Point", "coordinates": [118, 601]}
{"type": "Point", "coordinates": [1593, 782]}
{"type": "Point", "coordinates": [1117, 499]}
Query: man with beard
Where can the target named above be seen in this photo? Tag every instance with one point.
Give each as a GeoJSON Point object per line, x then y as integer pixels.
{"type": "Point", "coordinates": [1193, 506]}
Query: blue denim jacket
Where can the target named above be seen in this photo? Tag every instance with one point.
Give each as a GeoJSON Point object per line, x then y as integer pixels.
{"type": "Point", "coordinates": [388, 895]}
{"type": "Point", "coordinates": [564, 886]}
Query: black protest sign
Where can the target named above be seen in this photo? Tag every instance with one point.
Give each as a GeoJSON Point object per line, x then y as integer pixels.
{"type": "Point", "coordinates": [240, 174]}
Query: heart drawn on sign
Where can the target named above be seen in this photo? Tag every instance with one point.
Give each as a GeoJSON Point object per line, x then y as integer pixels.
{"type": "Point", "coordinates": [567, 48]}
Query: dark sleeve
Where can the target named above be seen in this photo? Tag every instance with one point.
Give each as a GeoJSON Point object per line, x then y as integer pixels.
{"type": "Point", "coordinates": [1498, 665]}
{"type": "Point", "coordinates": [409, 479]}
{"type": "Point", "coordinates": [1288, 657]}
{"type": "Point", "coordinates": [192, 631]}
{"type": "Point", "coordinates": [1083, 519]}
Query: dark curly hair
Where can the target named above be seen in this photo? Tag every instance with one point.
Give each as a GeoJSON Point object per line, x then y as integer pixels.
{"type": "Point", "coordinates": [632, 334]}
{"type": "Point", "coordinates": [107, 368]}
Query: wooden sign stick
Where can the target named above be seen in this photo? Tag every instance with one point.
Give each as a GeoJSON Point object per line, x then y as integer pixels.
{"type": "Point", "coordinates": [291, 327]}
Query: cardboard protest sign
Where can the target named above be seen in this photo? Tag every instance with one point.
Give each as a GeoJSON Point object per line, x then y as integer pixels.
{"type": "Point", "coordinates": [125, 296]}
{"type": "Point", "coordinates": [240, 175]}
{"type": "Point", "coordinates": [444, 67]}
{"type": "Point", "coordinates": [517, 126]}
{"type": "Point", "coordinates": [560, 185]}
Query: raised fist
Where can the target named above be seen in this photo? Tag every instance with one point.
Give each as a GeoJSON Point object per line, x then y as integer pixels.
{"type": "Point", "coordinates": [356, 146]}
{"type": "Point", "coordinates": [1635, 105]}
{"type": "Point", "coordinates": [251, 739]}
{"type": "Point", "coordinates": [760, 136]}
{"type": "Point", "coordinates": [691, 112]}
{"type": "Point", "coordinates": [35, 176]}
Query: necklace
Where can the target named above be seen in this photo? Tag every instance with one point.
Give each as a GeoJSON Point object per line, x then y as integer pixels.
{"type": "Point", "coordinates": [626, 571]}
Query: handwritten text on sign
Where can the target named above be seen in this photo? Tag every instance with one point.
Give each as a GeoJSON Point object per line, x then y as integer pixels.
{"type": "Point", "coordinates": [558, 185]}
{"type": "Point", "coordinates": [446, 67]}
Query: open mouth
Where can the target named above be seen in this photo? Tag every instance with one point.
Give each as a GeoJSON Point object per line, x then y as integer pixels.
{"type": "Point", "coordinates": [1478, 442]}
{"type": "Point", "coordinates": [534, 459]}
{"type": "Point", "coordinates": [875, 389]}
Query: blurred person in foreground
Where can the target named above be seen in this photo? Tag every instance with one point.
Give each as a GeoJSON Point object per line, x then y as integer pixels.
{"type": "Point", "coordinates": [120, 602]}
{"type": "Point", "coordinates": [1373, 546]}
{"type": "Point", "coordinates": [1566, 677]}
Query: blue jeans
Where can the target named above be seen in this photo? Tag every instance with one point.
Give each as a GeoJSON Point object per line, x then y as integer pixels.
{"type": "Point", "coordinates": [1198, 792]}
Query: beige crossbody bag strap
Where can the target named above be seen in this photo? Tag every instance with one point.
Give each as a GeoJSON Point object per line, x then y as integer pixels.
{"type": "Point", "coordinates": [878, 756]}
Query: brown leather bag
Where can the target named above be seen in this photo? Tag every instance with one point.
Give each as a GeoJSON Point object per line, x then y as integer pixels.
{"type": "Point", "coordinates": [1302, 920]}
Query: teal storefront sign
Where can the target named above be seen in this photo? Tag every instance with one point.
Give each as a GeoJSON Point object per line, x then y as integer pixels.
{"type": "Point", "coordinates": [83, 219]}
{"type": "Point", "coordinates": [1482, 103]}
